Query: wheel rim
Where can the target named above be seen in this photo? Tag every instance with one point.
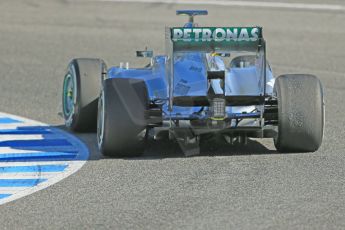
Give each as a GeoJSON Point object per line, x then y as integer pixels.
{"type": "Point", "coordinates": [68, 95]}
{"type": "Point", "coordinates": [100, 121]}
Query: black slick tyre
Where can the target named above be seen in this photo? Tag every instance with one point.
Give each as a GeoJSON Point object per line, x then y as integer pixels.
{"type": "Point", "coordinates": [121, 117]}
{"type": "Point", "coordinates": [301, 113]}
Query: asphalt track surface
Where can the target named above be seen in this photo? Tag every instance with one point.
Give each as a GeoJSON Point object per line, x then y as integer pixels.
{"type": "Point", "coordinates": [223, 188]}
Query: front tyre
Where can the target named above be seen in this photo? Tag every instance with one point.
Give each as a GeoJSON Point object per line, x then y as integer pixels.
{"type": "Point", "coordinates": [122, 122]}
{"type": "Point", "coordinates": [301, 113]}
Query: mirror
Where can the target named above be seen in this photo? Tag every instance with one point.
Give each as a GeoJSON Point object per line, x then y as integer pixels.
{"type": "Point", "coordinates": [145, 53]}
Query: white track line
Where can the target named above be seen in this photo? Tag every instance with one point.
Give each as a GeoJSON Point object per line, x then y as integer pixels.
{"type": "Point", "coordinates": [7, 150]}
{"type": "Point", "coordinates": [32, 163]}
{"type": "Point", "coordinates": [281, 5]}
{"type": "Point", "coordinates": [21, 137]}
{"type": "Point", "coordinates": [11, 190]}
{"type": "Point", "coordinates": [21, 125]}
{"type": "Point", "coordinates": [28, 175]}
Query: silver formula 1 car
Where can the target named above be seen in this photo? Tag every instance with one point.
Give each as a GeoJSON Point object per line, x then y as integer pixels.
{"type": "Point", "coordinates": [211, 81]}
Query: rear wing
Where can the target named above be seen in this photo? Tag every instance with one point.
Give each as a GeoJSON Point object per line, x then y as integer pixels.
{"type": "Point", "coordinates": [212, 39]}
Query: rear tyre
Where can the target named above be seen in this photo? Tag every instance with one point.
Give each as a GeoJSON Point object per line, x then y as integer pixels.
{"type": "Point", "coordinates": [82, 84]}
{"type": "Point", "coordinates": [121, 117]}
{"type": "Point", "coordinates": [300, 113]}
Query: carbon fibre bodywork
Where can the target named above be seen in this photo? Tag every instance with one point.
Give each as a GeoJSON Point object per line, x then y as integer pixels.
{"type": "Point", "coordinates": [190, 80]}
